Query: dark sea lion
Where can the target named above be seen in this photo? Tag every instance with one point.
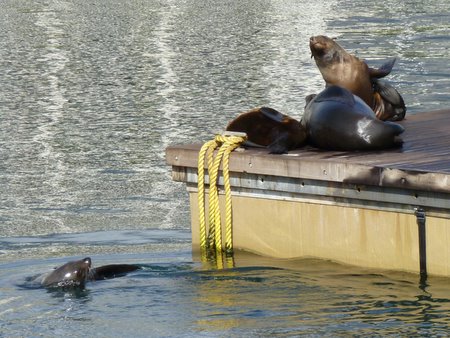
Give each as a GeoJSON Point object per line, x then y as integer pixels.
{"type": "Point", "coordinates": [77, 273]}
{"type": "Point", "coordinates": [71, 274]}
{"type": "Point", "coordinates": [266, 127]}
{"type": "Point", "coordinates": [338, 120]}
{"type": "Point", "coordinates": [340, 68]}
{"type": "Point", "coordinates": [388, 103]}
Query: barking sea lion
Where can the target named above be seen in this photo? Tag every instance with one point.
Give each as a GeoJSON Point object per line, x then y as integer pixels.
{"type": "Point", "coordinates": [340, 68]}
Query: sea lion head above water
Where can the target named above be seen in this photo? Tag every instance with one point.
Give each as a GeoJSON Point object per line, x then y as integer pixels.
{"type": "Point", "coordinates": [75, 274]}
{"type": "Point", "coordinates": [71, 274]}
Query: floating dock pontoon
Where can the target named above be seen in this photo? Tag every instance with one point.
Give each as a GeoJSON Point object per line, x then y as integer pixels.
{"type": "Point", "coordinates": [380, 209]}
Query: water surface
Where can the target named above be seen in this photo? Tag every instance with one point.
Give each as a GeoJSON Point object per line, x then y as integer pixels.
{"type": "Point", "coordinates": [91, 95]}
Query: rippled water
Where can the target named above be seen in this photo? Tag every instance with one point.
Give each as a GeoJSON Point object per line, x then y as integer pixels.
{"type": "Point", "coordinates": [92, 93]}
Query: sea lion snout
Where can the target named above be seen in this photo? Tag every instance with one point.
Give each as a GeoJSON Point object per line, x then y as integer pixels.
{"type": "Point", "coordinates": [71, 274]}
{"type": "Point", "coordinates": [319, 45]}
{"type": "Point", "coordinates": [318, 39]}
{"type": "Point", "coordinates": [87, 261]}
{"type": "Point", "coordinates": [312, 41]}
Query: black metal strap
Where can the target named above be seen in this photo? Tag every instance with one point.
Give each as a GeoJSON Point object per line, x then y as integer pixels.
{"type": "Point", "coordinates": [420, 216]}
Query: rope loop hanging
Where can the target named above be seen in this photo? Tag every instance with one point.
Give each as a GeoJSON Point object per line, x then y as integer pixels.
{"type": "Point", "coordinates": [224, 144]}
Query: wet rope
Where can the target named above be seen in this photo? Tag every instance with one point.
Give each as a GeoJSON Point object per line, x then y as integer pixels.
{"type": "Point", "coordinates": [226, 144]}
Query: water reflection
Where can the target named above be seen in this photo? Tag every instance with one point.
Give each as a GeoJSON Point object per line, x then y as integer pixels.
{"type": "Point", "coordinates": [317, 297]}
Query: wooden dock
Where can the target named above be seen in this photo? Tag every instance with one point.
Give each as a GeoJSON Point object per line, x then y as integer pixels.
{"type": "Point", "coordinates": [383, 209]}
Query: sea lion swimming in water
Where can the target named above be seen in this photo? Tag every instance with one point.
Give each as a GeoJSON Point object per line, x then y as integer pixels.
{"type": "Point", "coordinates": [266, 127]}
{"type": "Point", "coordinates": [77, 273]}
{"type": "Point", "coordinates": [340, 68]}
{"type": "Point", "coordinates": [336, 119]}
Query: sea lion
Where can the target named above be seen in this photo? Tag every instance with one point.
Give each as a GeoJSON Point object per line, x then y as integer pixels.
{"type": "Point", "coordinates": [266, 127]}
{"type": "Point", "coordinates": [338, 120]}
{"type": "Point", "coordinates": [77, 273]}
{"type": "Point", "coordinates": [388, 103]}
{"type": "Point", "coordinates": [340, 68]}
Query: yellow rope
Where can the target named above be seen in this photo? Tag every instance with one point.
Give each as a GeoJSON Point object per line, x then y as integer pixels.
{"type": "Point", "coordinates": [227, 144]}
{"type": "Point", "coordinates": [201, 189]}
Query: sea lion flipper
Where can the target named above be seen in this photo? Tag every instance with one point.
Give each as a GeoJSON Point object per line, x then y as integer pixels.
{"type": "Point", "coordinates": [309, 98]}
{"type": "Point", "coordinates": [397, 107]}
{"type": "Point", "coordinates": [388, 92]}
{"type": "Point", "coordinates": [383, 71]}
{"type": "Point", "coordinates": [248, 143]}
{"type": "Point", "coordinates": [272, 114]}
{"type": "Point", "coordinates": [279, 146]}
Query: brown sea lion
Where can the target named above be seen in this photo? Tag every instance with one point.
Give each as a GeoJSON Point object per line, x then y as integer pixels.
{"type": "Point", "coordinates": [266, 127]}
{"type": "Point", "coordinates": [340, 68]}
{"type": "Point", "coordinates": [336, 119]}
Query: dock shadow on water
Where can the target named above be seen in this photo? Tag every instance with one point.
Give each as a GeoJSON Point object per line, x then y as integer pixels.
{"type": "Point", "coordinates": [255, 296]}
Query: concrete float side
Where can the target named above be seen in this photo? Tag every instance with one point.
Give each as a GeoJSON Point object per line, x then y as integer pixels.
{"type": "Point", "coordinates": [289, 228]}
{"type": "Point", "coordinates": [438, 246]}
{"type": "Point", "coordinates": [332, 208]}
{"type": "Point", "coordinates": [296, 229]}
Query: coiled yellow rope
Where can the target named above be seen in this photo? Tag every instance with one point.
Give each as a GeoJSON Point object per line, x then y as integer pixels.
{"type": "Point", "coordinates": [227, 142]}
